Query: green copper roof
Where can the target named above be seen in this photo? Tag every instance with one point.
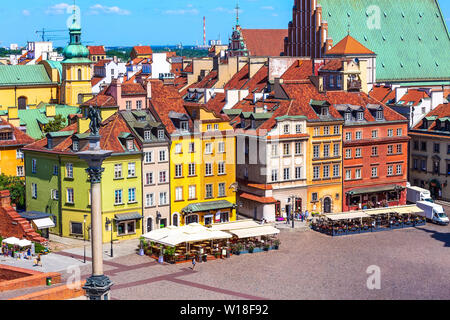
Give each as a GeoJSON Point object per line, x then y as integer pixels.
{"type": "Point", "coordinates": [23, 75]}
{"type": "Point", "coordinates": [411, 40]}
{"type": "Point", "coordinates": [55, 65]}
{"type": "Point", "coordinates": [207, 206]}
{"type": "Point", "coordinates": [60, 134]}
{"type": "Point", "coordinates": [32, 117]}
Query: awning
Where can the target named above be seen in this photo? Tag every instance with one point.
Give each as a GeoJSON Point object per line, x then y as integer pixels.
{"type": "Point", "coordinates": [24, 243]}
{"type": "Point", "coordinates": [127, 216]}
{"type": "Point", "coordinates": [346, 216]}
{"type": "Point", "coordinates": [43, 223]}
{"type": "Point", "coordinates": [32, 215]}
{"type": "Point", "coordinates": [207, 206]}
{"type": "Point", "coordinates": [391, 187]}
{"type": "Point", "coordinates": [240, 224]}
{"type": "Point", "coordinates": [11, 240]}
{"type": "Point", "coordinates": [255, 231]}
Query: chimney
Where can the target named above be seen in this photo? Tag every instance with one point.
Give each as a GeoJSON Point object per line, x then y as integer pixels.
{"type": "Point", "coordinates": [5, 198]}
{"type": "Point", "coordinates": [149, 89]}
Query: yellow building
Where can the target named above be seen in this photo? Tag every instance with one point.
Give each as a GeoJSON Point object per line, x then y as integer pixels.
{"type": "Point", "coordinates": [11, 157]}
{"type": "Point", "coordinates": [324, 163]}
{"type": "Point", "coordinates": [76, 70]}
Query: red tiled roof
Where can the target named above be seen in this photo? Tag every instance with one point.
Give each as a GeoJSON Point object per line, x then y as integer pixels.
{"type": "Point", "coordinates": [382, 93]}
{"type": "Point", "coordinates": [101, 63]}
{"type": "Point", "coordinates": [101, 100]}
{"type": "Point", "coordinates": [207, 82]}
{"type": "Point", "coordinates": [241, 80]}
{"type": "Point", "coordinates": [189, 68]}
{"type": "Point", "coordinates": [143, 50]}
{"type": "Point", "coordinates": [265, 42]}
{"type": "Point", "coordinates": [133, 88]}
{"type": "Point", "coordinates": [266, 200]}
{"type": "Point", "coordinates": [349, 46]}
{"type": "Point", "coordinates": [96, 50]}
{"type": "Point", "coordinates": [415, 96]}
{"type": "Point", "coordinates": [441, 111]}
{"type": "Point", "coordinates": [332, 65]}
{"type": "Point", "coordinates": [19, 137]}
{"type": "Point", "coordinates": [96, 80]}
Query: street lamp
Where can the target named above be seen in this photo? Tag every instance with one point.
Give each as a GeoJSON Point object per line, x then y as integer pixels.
{"type": "Point", "coordinates": [110, 223]}
{"type": "Point", "coordinates": [292, 210]}
{"type": "Point", "coordinates": [84, 238]}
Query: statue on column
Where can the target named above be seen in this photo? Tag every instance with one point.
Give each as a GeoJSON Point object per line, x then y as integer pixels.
{"type": "Point", "coordinates": [96, 120]}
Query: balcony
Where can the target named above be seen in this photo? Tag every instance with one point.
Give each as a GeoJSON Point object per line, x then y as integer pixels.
{"type": "Point", "coordinates": [353, 85]}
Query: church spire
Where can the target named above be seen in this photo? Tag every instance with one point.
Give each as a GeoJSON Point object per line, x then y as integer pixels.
{"type": "Point", "coordinates": [237, 12]}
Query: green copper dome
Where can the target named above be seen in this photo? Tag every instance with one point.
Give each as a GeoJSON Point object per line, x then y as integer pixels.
{"type": "Point", "coordinates": [75, 52]}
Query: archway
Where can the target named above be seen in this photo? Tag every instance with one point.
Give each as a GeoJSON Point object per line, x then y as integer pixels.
{"type": "Point", "coordinates": [149, 224]}
{"type": "Point", "coordinates": [175, 219]}
{"type": "Point", "coordinates": [327, 205]}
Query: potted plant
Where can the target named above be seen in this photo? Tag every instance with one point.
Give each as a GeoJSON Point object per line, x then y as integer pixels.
{"type": "Point", "coordinates": [266, 247]}
{"type": "Point", "coordinates": [276, 244]}
{"type": "Point", "coordinates": [217, 254]}
{"type": "Point", "coordinates": [239, 248]}
{"type": "Point", "coordinates": [251, 248]}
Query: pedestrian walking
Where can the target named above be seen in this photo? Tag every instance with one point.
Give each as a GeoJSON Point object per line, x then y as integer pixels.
{"type": "Point", "coordinates": [38, 260]}
{"type": "Point", "coordinates": [306, 215]}
{"type": "Point", "coordinates": [193, 263]}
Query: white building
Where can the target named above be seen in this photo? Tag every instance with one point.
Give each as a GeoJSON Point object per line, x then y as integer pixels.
{"type": "Point", "coordinates": [105, 71]}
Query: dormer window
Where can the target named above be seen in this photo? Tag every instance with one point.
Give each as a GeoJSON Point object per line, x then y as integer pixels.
{"type": "Point", "coordinates": [49, 143]}
{"type": "Point", "coordinates": [379, 114]}
{"type": "Point", "coordinates": [348, 116]}
{"type": "Point", "coordinates": [425, 124]}
{"type": "Point", "coordinates": [286, 129]}
{"type": "Point", "coordinates": [360, 115]}
{"type": "Point", "coordinates": [331, 81]}
{"type": "Point", "coordinates": [184, 125]}
{"type": "Point", "coordinates": [324, 111]}
{"type": "Point", "coordinates": [75, 145]}
{"type": "Point", "coordinates": [160, 134]}
{"type": "Point", "coordinates": [147, 135]}
{"type": "Point", "coordinates": [130, 145]}
{"type": "Point", "coordinates": [6, 136]}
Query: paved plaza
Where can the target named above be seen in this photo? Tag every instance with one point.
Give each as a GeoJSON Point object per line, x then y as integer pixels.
{"type": "Point", "coordinates": [309, 265]}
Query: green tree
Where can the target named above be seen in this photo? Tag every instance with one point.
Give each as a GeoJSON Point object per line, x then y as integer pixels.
{"type": "Point", "coordinates": [56, 124]}
{"type": "Point", "coordinates": [16, 187]}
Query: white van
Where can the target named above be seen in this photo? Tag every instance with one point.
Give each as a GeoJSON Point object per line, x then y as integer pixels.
{"type": "Point", "coordinates": [433, 212]}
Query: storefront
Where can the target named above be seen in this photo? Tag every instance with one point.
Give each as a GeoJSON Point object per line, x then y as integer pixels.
{"type": "Point", "coordinates": [208, 213]}
{"type": "Point", "coordinates": [127, 224]}
{"type": "Point", "coordinates": [435, 189]}
{"type": "Point", "coordinates": [375, 197]}
{"type": "Point", "coordinates": [41, 221]}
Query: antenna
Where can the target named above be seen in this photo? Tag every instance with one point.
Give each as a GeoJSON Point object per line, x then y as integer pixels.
{"type": "Point", "coordinates": [45, 32]}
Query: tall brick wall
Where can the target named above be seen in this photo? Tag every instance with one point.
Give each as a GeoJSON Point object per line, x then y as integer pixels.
{"type": "Point", "coordinates": [12, 224]}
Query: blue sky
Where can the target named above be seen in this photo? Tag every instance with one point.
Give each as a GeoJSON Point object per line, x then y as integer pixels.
{"type": "Point", "coordinates": [153, 22]}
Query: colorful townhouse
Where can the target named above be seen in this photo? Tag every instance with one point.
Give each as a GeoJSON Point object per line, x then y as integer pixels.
{"type": "Point", "coordinates": [57, 182]}
{"type": "Point", "coordinates": [202, 158]}
{"type": "Point", "coordinates": [12, 140]}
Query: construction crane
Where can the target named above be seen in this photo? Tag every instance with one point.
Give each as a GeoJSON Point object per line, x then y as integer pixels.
{"type": "Point", "coordinates": [47, 35]}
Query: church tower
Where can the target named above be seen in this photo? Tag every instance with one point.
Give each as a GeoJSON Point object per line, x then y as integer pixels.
{"type": "Point", "coordinates": [237, 47]}
{"type": "Point", "coordinates": [77, 71]}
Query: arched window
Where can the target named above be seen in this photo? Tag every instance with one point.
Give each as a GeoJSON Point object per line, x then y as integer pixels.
{"type": "Point", "coordinates": [80, 75]}
{"type": "Point", "coordinates": [22, 103]}
{"type": "Point", "coordinates": [175, 220]}
{"type": "Point", "coordinates": [80, 98]}
{"type": "Point", "coordinates": [149, 224]}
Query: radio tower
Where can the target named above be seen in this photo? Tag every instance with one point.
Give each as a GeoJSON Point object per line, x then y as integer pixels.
{"type": "Point", "coordinates": [204, 31]}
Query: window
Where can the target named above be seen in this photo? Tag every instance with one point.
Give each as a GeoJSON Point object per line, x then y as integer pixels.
{"type": "Point", "coordinates": [147, 135]}
{"type": "Point", "coordinates": [34, 190]}
{"type": "Point", "coordinates": [390, 133]}
{"type": "Point", "coordinates": [19, 154]}
{"type": "Point", "coordinates": [75, 145]}
{"type": "Point", "coordinates": [162, 156]}
{"type": "Point", "coordinates": [149, 199]}
{"type": "Point", "coordinates": [209, 191]}
{"type": "Point", "coordinates": [33, 165]}
{"type": "Point", "coordinates": [326, 171]}
{"type": "Point", "coordinates": [314, 197]}
{"type": "Point", "coordinates": [160, 134]}
{"type": "Point", "coordinates": [274, 175]}
{"type": "Point", "coordinates": [348, 153]}
{"type": "Point", "coordinates": [336, 170]}
{"type": "Point", "coordinates": [132, 195]}
{"type": "Point", "coordinates": [357, 173]}
{"type": "Point", "coordinates": [286, 149]}
{"type": "Point", "coordinates": [148, 157]}
{"type": "Point", "coordinates": [298, 172]}
{"type": "Point", "coordinates": [69, 170]}
{"type": "Point", "coordinates": [374, 151]}
{"type": "Point", "coordinates": [130, 145]}
{"type": "Point", "coordinates": [162, 176]}
{"type": "Point", "coordinates": [316, 151]}
{"type": "Point", "coordinates": [118, 197]}
{"type": "Point", "coordinates": [208, 148]}
{"type": "Point", "coordinates": [221, 168]}
{"type": "Point", "coordinates": [326, 131]}
{"type": "Point", "coordinates": [348, 116]}
{"type": "Point", "coordinates": [125, 228]}
{"type": "Point", "coordinates": [415, 165]}
{"type": "Point", "coordinates": [117, 171]}
{"type": "Point", "coordinates": [390, 149]}
{"type": "Point", "coordinates": [163, 200]}
{"type": "Point", "coordinates": [336, 130]}
{"type": "Point", "coordinates": [178, 193]}
{"type": "Point", "coordinates": [399, 132]}
{"type": "Point", "coordinates": [80, 76]}
{"type": "Point", "coordinates": [286, 173]}
{"type": "Point", "coordinates": [398, 169]}
{"type": "Point", "coordinates": [184, 125]}
{"type": "Point", "coordinates": [191, 219]}
{"type": "Point", "coordinates": [316, 131]}
{"type": "Point", "coordinates": [316, 172]}
{"type": "Point", "coordinates": [374, 172]}
{"type": "Point", "coordinates": [358, 153]}
{"type": "Point", "coordinates": [221, 147]}
{"type": "Point", "coordinates": [436, 148]}
{"type": "Point", "coordinates": [348, 136]}
{"type": "Point", "coordinates": [379, 114]}
{"type": "Point", "coordinates": [360, 116]}
{"type": "Point", "coordinates": [54, 194]}
{"type": "Point", "coordinates": [70, 197]}
{"type": "Point", "coordinates": [149, 178]}
{"type": "Point", "coordinates": [336, 149]}
{"type": "Point", "coordinates": [298, 148]}
{"type": "Point", "coordinates": [436, 166]}
{"type": "Point", "coordinates": [216, 127]}
{"type": "Point", "coordinates": [423, 165]}
{"type": "Point", "coordinates": [286, 129]}
{"type": "Point", "coordinates": [374, 134]}
{"type": "Point", "coordinates": [423, 146]}
{"type": "Point", "coordinates": [208, 127]}
{"type": "Point", "coordinates": [128, 105]}
{"type": "Point", "coordinates": [448, 149]}
{"type": "Point", "coordinates": [274, 150]}
{"type": "Point", "coordinates": [178, 171]}
{"type": "Point", "coordinates": [192, 192]}
{"type": "Point", "coordinates": [131, 169]}
{"type": "Point", "coordinates": [76, 228]}
{"type": "Point", "coordinates": [191, 147]}
{"type": "Point", "coordinates": [390, 170]}
{"type": "Point", "coordinates": [138, 105]}
{"type": "Point", "coordinates": [348, 174]}
{"type": "Point", "coordinates": [55, 170]}
{"type": "Point", "coordinates": [399, 148]}
{"type": "Point", "coordinates": [358, 135]}
{"type": "Point", "coordinates": [298, 128]}
{"type": "Point", "coordinates": [208, 169]}
{"type": "Point", "coordinates": [191, 169]}
{"type": "Point", "coordinates": [221, 189]}
{"type": "Point", "coordinates": [326, 150]}
{"type": "Point", "coordinates": [20, 171]}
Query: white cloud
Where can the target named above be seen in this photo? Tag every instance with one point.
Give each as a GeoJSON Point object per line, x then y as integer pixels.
{"type": "Point", "coordinates": [26, 12]}
{"type": "Point", "coordinates": [190, 10]}
{"type": "Point", "coordinates": [230, 11]}
{"type": "Point", "coordinates": [268, 8]}
{"type": "Point", "coordinates": [98, 8]}
{"type": "Point", "coordinates": [60, 8]}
